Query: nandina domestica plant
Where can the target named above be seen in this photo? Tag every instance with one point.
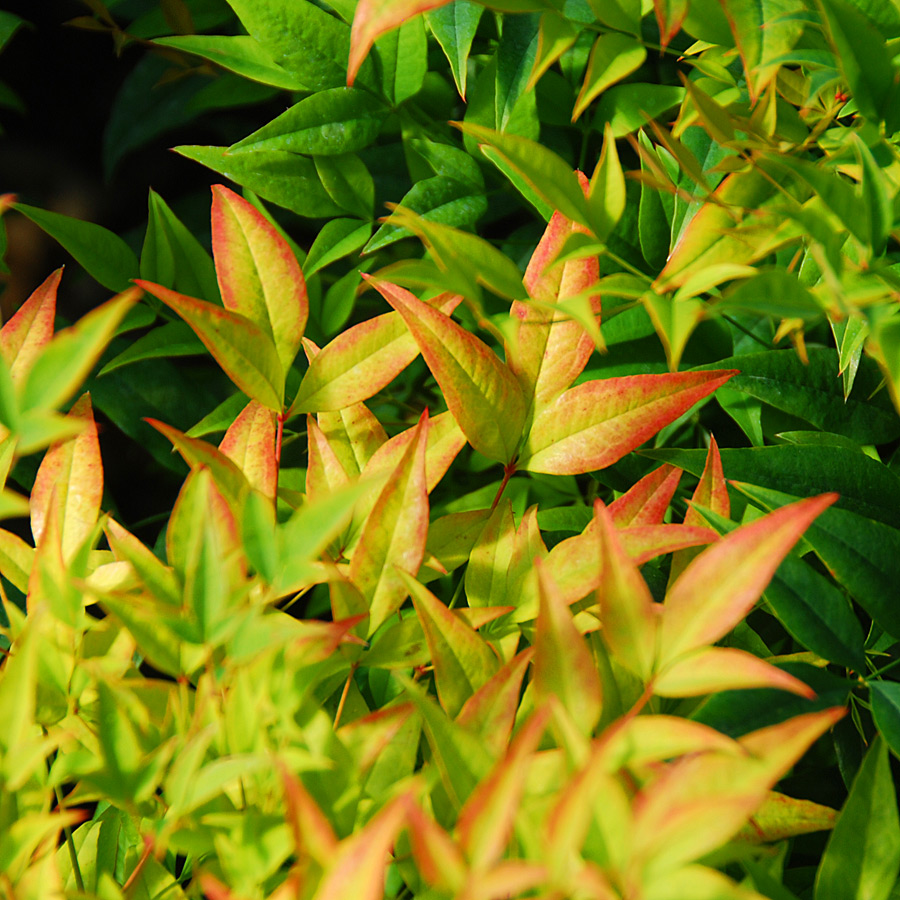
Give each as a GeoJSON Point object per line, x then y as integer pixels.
{"type": "Point", "coordinates": [455, 599]}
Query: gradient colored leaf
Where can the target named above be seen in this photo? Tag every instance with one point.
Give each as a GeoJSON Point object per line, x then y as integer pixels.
{"type": "Point", "coordinates": [563, 667]}
{"type": "Point", "coordinates": [27, 332]}
{"type": "Point", "coordinates": [70, 355]}
{"type": "Point", "coordinates": [462, 660]}
{"type": "Point", "coordinates": [324, 470]}
{"type": "Point", "coordinates": [486, 820]}
{"type": "Point", "coordinates": [479, 389]}
{"type": "Point", "coordinates": [70, 478]}
{"type": "Point", "coordinates": [721, 585]}
{"type": "Point", "coordinates": [712, 669]}
{"type": "Point", "coordinates": [596, 423]}
{"type": "Point", "coordinates": [627, 610]}
{"type": "Point", "coordinates": [375, 17]}
{"type": "Point", "coordinates": [437, 855]}
{"type": "Point", "coordinates": [647, 502]}
{"type": "Point", "coordinates": [249, 443]}
{"type": "Point", "coordinates": [669, 16]}
{"type": "Point", "coordinates": [862, 857]}
{"type": "Point", "coordinates": [258, 274]}
{"type": "Point", "coordinates": [361, 361]}
{"type": "Point", "coordinates": [486, 572]}
{"type": "Point", "coordinates": [355, 435]}
{"type": "Point", "coordinates": [394, 534]}
{"type": "Point", "coordinates": [245, 351]}
{"type": "Point", "coordinates": [782, 817]}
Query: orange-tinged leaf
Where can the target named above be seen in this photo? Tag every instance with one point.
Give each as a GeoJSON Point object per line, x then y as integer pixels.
{"type": "Point", "coordinates": [645, 542]}
{"type": "Point", "coordinates": [480, 391]}
{"type": "Point", "coordinates": [23, 335]}
{"type": "Point", "coordinates": [158, 577]}
{"type": "Point", "coordinates": [695, 805]}
{"type": "Point", "coordinates": [462, 660]}
{"type": "Point", "coordinates": [712, 669]}
{"type": "Point", "coordinates": [711, 492]}
{"type": "Point", "coordinates": [486, 820]}
{"type": "Point", "coordinates": [563, 666]}
{"type": "Point", "coordinates": [669, 16]}
{"type": "Point", "coordinates": [445, 440]}
{"type": "Point", "coordinates": [361, 361]}
{"type": "Point", "coordinates": [311, 830]}
{"type": "Point", "coordinates": [249, 443]}
{"type": "Point", "coordinates": [376, 17]}
{"type": "Point", "coordinates": [627, 609]}
{"type": "Point", "coordinates": [595, 424]}
{"type": "Point", "coordinates": [229, 478]}
{"type": "Point", "coordinates": [394, 535]}
{"type": "Point", "coordinates": [509, 878]}
{"type": "Point", "coordinates": [437, 855]}
{"type": "Point", "coordinates": [486, 572]}
{"type": "Point", "coordinates": [324, 471]}
{"type": "Point", "coordinates": [71, 478]}
{"type": "Point", "coordinates": [647, 501]}
{"type": "Point", "coordinates": [698, 883]}
{"type": "Point", "coordinates": [355, 434]}
{"type": "Point", "coordinates": [367, 736]}
{"type": "Point", "coordinates": [491, 710]}
{"type": "Point", "coordinates": [782, 817]}
{"type": "Point", "coordinates": [358, 866]}
{"type": "Point", "coordinates": [721, 585]}
{"type": "Point", "coordinates": [258, 274]}
{"type": "Point", "coordinates": [246, 353]}
{"type": "Point", "coordinates": [780, 746]}
{"type": "Point", "coordinates": [640, 740]}
{"type": "Point", "coordinates": [528, 545]}
{"type": "Point", "coordinates": [550, 352]}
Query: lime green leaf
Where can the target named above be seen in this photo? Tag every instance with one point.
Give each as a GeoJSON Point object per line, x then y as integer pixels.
{"type": "Point", "coordinates": [563, 667]}
{"type": "Point", "coordinates": [862, 857]}
{"type": "Point", "coordinates": [393, 537]}
{"type": "Point", "coordinates": [338, 238]}
{"type": "Point", "coordinates": [238, 53]}
{"type": "Point", "coordinates": [172, 339]}
{"type": "Point", "coordinates": [259, 276]}
{"type": "Point", "coordinates": [596, 423]}
{"type": "Point", "coordinates": [782, 817]}
{"type": "Point", "coordinates": [613, 57]}
{"type": "Point", "coordinates": [284, 178]}
{"type": "Point", "coordinates": [627, 107]}
{"type": "Point", "coordinates": [246, 352]}
{"type": "Point", "coordinates": [102, 254]}
{"type": "Point", "coordinates": [67, 359]}
{"type": "Point", "coordinates": [480, 390]}
{"type": "Point", "coordinates": [721, 585]}
{"type": "Point", "coordinates": [486, 572]}
{"type": "Point", "coordinates": [462, 661]}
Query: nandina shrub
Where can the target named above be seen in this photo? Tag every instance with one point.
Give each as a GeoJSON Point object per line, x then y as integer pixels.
{"type": "Point", "coordinates": [424, 619]}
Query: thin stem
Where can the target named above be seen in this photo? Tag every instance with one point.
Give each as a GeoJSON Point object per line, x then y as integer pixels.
{"type": "Point", "coordinates": [883, 669]}
{"type": "Point", "coordinates": [343, 700]}
{"type": "Point", "coordinates": [627, 265]}
{"type": "Point", "coordinates": [279, 435]}
{"type": "Point", "coordinates": [767, 344]}
{"type": "Point", "coordinates": [508, 473]}
{"type": "Point", "coordinates": [132, 878]}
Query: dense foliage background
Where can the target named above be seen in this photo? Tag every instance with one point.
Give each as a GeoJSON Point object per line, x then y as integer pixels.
{"type": "Point", "coordinates": [666, 233]}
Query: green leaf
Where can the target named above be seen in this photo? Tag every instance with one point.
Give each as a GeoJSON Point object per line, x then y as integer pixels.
{"type": "Point", "coordinates": [302, 38]}
{"type": "Point", "coordinates": [627, 107]}
{"type": "Point", "coordinates": [348, 183]}
{"type": "Point", "coordinates": [328, 123]}
{"type": "Point", "coordinates": [866, 486]}
{"type": "Point", "coordinates": [454, 26]}
{"type": "Point", "coordinates": [864, 59]}
{"type": "Point", "coordinates": [403, 54]}
{"type": "Point", "coordinates": [442, 199]}
{"type": "Point", "coordinates": [813, 392]}
{"type": "Point", "coordinates": [885, 699]}
{"type": "Point", "coordinates": [862, 857]}
{"type": "Point", "coordinates": [171, 255]}
{"type": "Point", "coordinates": [284, 178]}
{"type": "Point", "coordinates": [102, 254]}
{"type": "Point", "coordinates": [545, 173]}
{"type": "Point", "coordinates": [171, 339]}
{"type": "Point", "coordinates": [338, 238]}
{"type": "Point", "coordinates": [238, 53]}
{"type": "Point", "coordinates": [613, 57]}
{"type": "Point", "coordinates": [859, 552]}
{"type": "Point", "coordinates": [515, 57]}
{"type": "Point", "coordinates": [245, 352]}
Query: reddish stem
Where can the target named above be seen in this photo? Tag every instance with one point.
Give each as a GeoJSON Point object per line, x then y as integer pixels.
{"type": "Point", "coordinates": [508, 472]}
{"type": "Point", "coordinates": [279, 434]}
